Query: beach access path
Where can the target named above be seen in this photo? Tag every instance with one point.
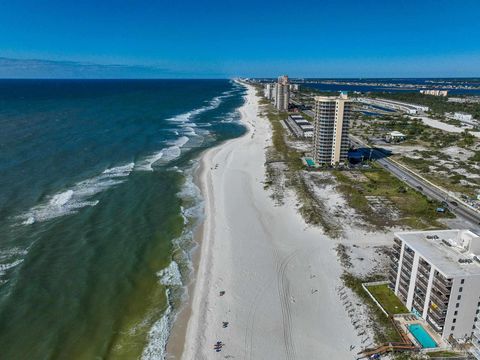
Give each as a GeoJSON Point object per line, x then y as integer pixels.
{"type": "Point", "coordinates": [280, 276]}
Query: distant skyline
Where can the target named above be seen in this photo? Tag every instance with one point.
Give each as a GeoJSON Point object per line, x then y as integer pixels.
{"type": "Point", "coordinates": [223, 39]}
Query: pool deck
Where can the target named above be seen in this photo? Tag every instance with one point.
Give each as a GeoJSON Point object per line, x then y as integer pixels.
{"type": "Point", "coordinates": [404, 320]}
{"type": "Point", "coordinates": [309, 162]}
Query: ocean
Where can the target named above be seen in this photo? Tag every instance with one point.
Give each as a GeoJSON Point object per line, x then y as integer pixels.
{"type": "Point", "coordinates": [97, 210]}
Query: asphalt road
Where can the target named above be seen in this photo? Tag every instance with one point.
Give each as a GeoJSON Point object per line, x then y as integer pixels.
{"type": "Point", "coordinates": [471, 217]}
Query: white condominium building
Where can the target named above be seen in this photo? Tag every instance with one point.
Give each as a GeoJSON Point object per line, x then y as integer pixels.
{"type": "Point", "coordinates": [282, 93]}
{"type": "Point", "coordinates": [436, 274]}
{"type": "Point", "coordinates": [330, 137]}
{"type": "Point", "coordinates": [269, 91]}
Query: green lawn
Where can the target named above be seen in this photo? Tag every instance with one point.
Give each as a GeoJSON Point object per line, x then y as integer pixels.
{"type": "Point", "coordinates": [387, 299]}
{"type": "Point", "coordinates": [441, 354]}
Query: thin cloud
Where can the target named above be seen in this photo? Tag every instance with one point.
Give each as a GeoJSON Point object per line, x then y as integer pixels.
{"type": "Point", "coordinates": [40, 68]}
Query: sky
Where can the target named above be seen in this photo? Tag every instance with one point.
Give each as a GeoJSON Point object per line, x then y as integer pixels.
{"type": "Point", "coordinates": [225, 38]}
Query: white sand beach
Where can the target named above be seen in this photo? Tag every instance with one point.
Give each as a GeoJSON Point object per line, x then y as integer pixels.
{"type": "Point", "coordinates": [281, 277]}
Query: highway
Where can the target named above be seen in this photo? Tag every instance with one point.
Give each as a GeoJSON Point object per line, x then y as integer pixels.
{"type": "Point", "coordinates": [462, 211]}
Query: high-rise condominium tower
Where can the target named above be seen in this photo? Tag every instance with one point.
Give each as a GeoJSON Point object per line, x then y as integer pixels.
{"type": "Point", "coordinates": [332, 117]}
{"type": "Point", "coordinates": [282, 94]}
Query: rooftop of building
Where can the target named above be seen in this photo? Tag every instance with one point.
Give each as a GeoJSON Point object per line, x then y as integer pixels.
{"type": "Point", "coordinates": [452, 252]}
{"type": "Point", "coordinates": [397, 133]}
{"type": "Point", "coordinates": [341, 96]}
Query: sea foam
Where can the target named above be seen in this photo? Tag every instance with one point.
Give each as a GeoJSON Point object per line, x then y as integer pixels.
{"type": "Point", "coordinates": [77, 197]}
{"type": "Point", "coordinates": [160, 331]}
{"type": "Point", "coordinates": [163, 156]}
{"type": "Point", "coordinates": [158, 336]}
{"type": "Point", "coordinates": [212, 104]}
{"type": "Point", "coordinates": [170, 276]}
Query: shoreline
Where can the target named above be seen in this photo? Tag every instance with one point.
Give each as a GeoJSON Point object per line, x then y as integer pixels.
{"type": "Point", "coordinates": [281, 277]}
{"type": "Point", "coordinates": [178, 332]}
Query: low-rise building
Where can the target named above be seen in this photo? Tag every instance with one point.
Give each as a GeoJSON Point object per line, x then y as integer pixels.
{"type": "Point", "coordinates": [395, 137]}
{"type": "Point", "coordinates": [299, 126]}
{"type": "Point", "coordinates": [436, 274]}
{"type": "Point", "coordinates": [395, 105]}
{"type": "Point", "coordinates": [435, 92]}
{"type": "Point", "coordinates": [461, 116]}
{"type": "Point", "coordinates": [468, 99]}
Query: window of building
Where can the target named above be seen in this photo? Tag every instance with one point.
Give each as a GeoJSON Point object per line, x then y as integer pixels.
{"type": "Point", "coordinates": [460, 289]}
{"type": "Point", "coordinates": [454, 321]}
{"type": "Point", "coordinates": [455, 313]}
{"type": "Point", "coordinates": [476, 312]}
{"type": "Point", "coordinates": [463, 281]}
{"type": "Point", "coordinates": [457, 305]}
{"type": "Point", "coordinates": [453, 328]}
{"type": "Point", "coordinates": [459, 297]}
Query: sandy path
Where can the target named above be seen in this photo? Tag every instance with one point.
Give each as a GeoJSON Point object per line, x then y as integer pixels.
{"type": "Point", "coordinates": [280, 276]}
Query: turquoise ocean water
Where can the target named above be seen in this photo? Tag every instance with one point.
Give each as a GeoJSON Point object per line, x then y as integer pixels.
{"type": "Point", "coordinates": [97, 208]}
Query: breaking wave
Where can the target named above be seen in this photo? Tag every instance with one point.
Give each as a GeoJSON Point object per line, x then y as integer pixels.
{"type": "Point", "coordinates": [79, 196]}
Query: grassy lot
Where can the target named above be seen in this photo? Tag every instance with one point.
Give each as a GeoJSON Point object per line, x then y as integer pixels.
{"type": "Point", "coordinates": [416, 210]}
{"type": "Point", "coordinates": [448, 182]}
{"type": "Point", "coordinates": [386, 297]}
{"type": "Point", "coordinates": [382, 325]}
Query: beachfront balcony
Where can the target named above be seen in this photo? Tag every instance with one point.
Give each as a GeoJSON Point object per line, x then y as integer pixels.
{"type": "Point", "coordinates": [438, 299]}
{"type": "Point", "coordinates": [406, 267]}
{"type": "Point", "coordinates": [408, 256]}
{"type": "Point", "coordinates": [404, 279]}
{"type": "Point", "coordinates": [441, 290]}
{"type": "Point", "coordinates": [437, 327]}
{"type": "Point", "coordinates": [421, 281]}
{"type": "Point", "coordinates": [419, 300]}
{"type": "Point", "coordinates": [392, 282]}
{"type": "Point", "coordinates": [441, 280]}
{"type": "Point", "coordinates": [440, 310]}
{"type": "Point", "coordinates": [402, 291]}
{"type": "Point", "coordinates": [393, 264]}
{"type": "Point", "coordinates": [424, 272]}
{"type": "Point", "coordinates": [437, 319]}
{"type": "Point", "coordinates": [421, 287]}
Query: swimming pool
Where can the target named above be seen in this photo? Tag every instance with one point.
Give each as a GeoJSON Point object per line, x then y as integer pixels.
{"type": "Point", "coordinates": [309, 162]}
{"type": "Point", "coordinates": [422, 336]}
